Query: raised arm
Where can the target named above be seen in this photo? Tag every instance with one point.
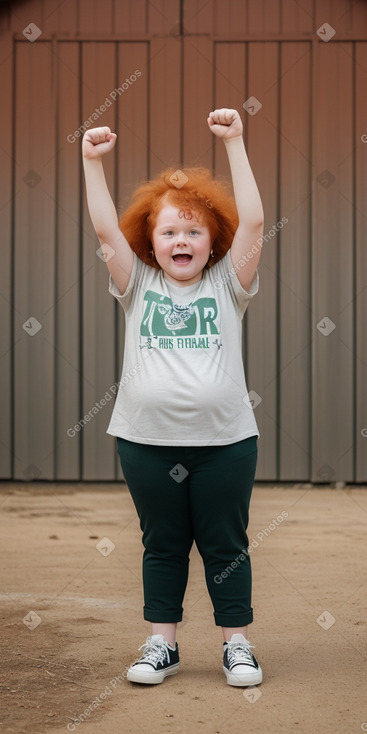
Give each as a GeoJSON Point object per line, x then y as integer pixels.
{"type": "Point", "coordinates": [96, 143]}
{"type": "Point", "coordinates": [245, 253]}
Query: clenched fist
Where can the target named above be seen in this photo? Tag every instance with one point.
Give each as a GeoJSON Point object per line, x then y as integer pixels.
{"type": "Point", "coordinates": [225, 123]}
{"type": "Point", "coordinates": [97, 142]}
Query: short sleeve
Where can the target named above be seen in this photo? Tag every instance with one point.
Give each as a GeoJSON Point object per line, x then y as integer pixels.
{"type": "Point", "coordinates": [225, 276]}
{"type": "Point", "coordinates": [125, 298]}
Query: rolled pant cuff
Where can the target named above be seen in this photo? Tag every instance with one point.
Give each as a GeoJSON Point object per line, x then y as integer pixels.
{"type": "Point", "coordinates": [153, 615]}
{"type": "Point", "coordinates": [233, 620]}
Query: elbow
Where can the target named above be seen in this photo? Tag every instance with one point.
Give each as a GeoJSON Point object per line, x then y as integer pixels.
{"type": "Point", "coordinates": [254, 224]}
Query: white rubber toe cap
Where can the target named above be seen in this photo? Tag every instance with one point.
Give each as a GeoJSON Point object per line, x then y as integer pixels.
{"type": "Point", "coordinates": [243, 675]}
{"type": "Point", "coordinates": [142, 668]}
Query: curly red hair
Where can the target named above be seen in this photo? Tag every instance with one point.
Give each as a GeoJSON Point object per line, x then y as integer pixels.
{"type": "Point", "coordinates": [208, 198]}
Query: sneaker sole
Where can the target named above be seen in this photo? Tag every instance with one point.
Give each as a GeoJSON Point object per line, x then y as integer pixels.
{"type": "Point", "coordinates": [136, 676]}
{"type": "Point", "coordinates": [241, 680]}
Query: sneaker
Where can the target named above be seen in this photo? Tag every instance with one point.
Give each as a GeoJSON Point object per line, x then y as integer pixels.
{"type": "Point", "coordinates": [158, 660]}
{"type": "Point", "coordinates": [239, 664]}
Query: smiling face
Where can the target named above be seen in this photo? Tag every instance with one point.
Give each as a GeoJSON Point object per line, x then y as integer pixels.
{"type": "Point", "coordinates": [181, 245]}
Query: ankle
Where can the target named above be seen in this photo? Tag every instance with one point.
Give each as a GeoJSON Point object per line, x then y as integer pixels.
{"type": "Point", "coordinates": [168, 630]}
{"type": "Point", "coordinates": [229, 631]}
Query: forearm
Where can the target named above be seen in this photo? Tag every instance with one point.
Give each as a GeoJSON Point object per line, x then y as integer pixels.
{"type": "Point", "coordinates": [101, 207]}
{"type": "Point", "coordinates": [247, 196]}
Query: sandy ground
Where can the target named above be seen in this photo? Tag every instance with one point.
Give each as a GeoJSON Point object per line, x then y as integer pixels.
{"type": "Point", "coordinates": [72, 621]}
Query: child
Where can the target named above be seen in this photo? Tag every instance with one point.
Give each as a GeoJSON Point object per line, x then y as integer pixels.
{"type": "Point", "coordinates": [183, 266]}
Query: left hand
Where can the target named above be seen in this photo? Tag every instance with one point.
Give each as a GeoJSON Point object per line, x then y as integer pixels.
{"type": "Point", "coordinates": [225, 123]}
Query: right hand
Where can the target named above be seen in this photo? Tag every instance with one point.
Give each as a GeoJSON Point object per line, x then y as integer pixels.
{"type": "Point", "coordinates": [97, 142]}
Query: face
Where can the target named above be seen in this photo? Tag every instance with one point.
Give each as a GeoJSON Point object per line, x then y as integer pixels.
{"type": "Point", "coordinates": [181, 245]}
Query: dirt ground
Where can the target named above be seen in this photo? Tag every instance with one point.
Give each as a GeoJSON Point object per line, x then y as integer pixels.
{"type": "Point", "coordinates": [72, 622]}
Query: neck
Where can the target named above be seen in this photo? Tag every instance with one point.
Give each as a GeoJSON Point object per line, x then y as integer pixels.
{"type": "Point", "coordinates": [183, 283]}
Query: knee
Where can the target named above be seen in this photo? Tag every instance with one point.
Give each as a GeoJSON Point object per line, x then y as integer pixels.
{"type": "Point", "coordinates": [162, 549]}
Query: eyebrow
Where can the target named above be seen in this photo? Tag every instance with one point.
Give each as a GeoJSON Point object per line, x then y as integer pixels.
{"type": "Point", "coordinates": [165, 226]}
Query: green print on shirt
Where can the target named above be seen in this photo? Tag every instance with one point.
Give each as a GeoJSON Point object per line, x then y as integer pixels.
{"type": "Point", "coordinates": [164, 318]}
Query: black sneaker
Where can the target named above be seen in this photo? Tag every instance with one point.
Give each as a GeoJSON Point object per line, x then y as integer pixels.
{"type": "Point", "coordinates": [158, 660]}
{"type": "Point", "coordinates": [239, 664]}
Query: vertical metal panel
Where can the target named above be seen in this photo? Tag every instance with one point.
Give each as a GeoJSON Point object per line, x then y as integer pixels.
{"type": "Point", "coordinates": [230, 17]}
{"type": "Point", "coordinates": [165, 104]}
{"type": "Point", "coordinates": [164, 17]}
{"type": "Point", "coordinates": [161, 120]}
{"type": "Point", "coordinates": [130, 17]}
{"type": "Point", "coordinates": [332, 265]}
{"type": "Point", "coordinates": [297, 18]}
{"type": "Point", "coordinates": [99, 80]}
{"type": "Point", "coordinates": [132, 119]}
{"type": "Point", "coordinates": [23, 13]}
{"type": "Point", "coordinates": [95, 16]}
{"type": "Point", "coordinates": [337, 14]}
{"type": "Point", "coordinates": [262, 143]}
{"type": "Point", "coordinates": [357, 18]}
{"type": "Point", "coordinates": [4, 21]}
{"type": "Point", "coordinates": [360, 161]}
{"type": "Point", "coordinates": [229, 92]}
{"type": "Point", "coordinates": [198, 88]}
{"type": "Point", "coordinates": [67, 296]}
{"type": "Point", "coordinates": [262, 328]}
{"type": "Point", "coordinates": [34, 352]}
{"type": "Point", "coordinates": [264, 17]}
{"type": "Point", "coordinates": [199, 16]}
{"type": "Point", "coordinates": [6, 204]}
{"type": "Point", "coordinates": [132, 157]}
{"type": "Point", "coordinates": [271, 17]}
{"type": "Point", "coordinates": [294, 377]}
{"type": "Point", "coordinates": [60, 16]}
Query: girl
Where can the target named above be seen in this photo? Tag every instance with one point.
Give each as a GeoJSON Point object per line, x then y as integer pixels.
{"type": "Point", "coordinates": [183, 265]}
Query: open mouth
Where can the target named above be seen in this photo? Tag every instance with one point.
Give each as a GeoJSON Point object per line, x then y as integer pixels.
{"type": "Point", "coordinates": [182, 258]}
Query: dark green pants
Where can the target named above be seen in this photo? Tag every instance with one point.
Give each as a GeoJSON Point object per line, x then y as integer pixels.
{"type": "Point", "coordinates": [187, 493]}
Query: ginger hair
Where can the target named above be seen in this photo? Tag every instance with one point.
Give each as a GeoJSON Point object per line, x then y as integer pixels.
{"type": "Point", "coordinates": [208, 198]}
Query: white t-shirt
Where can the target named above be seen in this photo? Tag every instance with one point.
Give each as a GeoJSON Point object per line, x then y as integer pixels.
{"type": "Point", "coordinates": [183, 381]}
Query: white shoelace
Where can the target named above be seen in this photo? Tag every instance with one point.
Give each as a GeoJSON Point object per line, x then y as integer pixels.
{"type": "Point", "coordinates": [153, 653]}
{"type": "Point", "coordinates": [239, 652]}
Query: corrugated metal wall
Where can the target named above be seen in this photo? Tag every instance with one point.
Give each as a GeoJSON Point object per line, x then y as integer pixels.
{"type": "Point", "coordinates": [305, 340]}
